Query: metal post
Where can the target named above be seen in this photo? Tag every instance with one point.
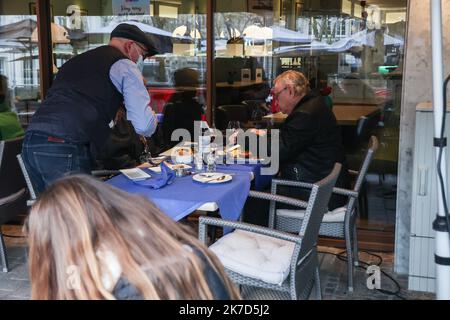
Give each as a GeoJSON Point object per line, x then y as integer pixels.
{"type": "Point", "coordinates": [442, 257]}
{"type": "Point", "coordinates": [45, 45]}
{"type": "Point", "coordinates": [210, 80]}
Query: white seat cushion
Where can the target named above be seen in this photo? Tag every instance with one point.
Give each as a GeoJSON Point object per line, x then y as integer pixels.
{"type": "Point", "coordinates": [254, 255]}
{"type": "Point", "coordinates": [337, 215]}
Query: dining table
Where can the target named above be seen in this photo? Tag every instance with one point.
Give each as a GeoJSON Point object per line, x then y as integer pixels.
{"type": "Point", "coordinates": [184, 195]}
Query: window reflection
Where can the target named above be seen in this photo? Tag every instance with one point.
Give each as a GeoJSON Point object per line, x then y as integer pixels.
{"type": "Point", "coordinates": [19, 64]}
{"type": "Point", "coordinates": [351, 52]}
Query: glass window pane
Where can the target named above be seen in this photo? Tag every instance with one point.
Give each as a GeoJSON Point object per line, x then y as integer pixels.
{"type": "Point", "coordinates": [19, 60]}
{"type": "Point", "coordinates": [349, 52]}
{"type": "Point", "coordinates": [175, 74]}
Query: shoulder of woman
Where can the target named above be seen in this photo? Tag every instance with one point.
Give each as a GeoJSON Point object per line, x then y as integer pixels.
{"type": "Point", "coordinates": [110, 268]}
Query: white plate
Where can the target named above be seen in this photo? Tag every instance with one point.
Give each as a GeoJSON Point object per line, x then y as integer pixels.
{"type": "Point", "coordinates": [212, 177]}
{"type": "Point", "coordinates": [182, 145]}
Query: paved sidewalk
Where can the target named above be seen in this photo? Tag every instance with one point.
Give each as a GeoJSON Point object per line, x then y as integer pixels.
{"type": "Point", "coordinates": [15, 284]}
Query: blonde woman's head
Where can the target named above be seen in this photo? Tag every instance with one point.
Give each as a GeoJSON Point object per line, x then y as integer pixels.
{"type": "Point", "coordinates": [84, 235]}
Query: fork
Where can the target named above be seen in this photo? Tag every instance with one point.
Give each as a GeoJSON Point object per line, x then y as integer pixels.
{"type": "Point", "coordinates": [216, 179]}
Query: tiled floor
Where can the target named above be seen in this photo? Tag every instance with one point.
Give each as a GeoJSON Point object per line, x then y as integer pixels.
{"type": "Point", "coordinates": [15, 284]}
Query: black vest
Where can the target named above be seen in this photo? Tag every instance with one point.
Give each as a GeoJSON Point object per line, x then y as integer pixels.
{"type": "Point", "coordinates": [82, 100]}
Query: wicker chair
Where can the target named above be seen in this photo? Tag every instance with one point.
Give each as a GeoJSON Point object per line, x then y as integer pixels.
{"type": "Point", "coordinates": [290, 262]}
{"type": "Point", "coordinates": [30, 188]}
{"type": "Point", "coordinates": [13, 192]}
{"type": "Point", "coordinates": [340, 223]}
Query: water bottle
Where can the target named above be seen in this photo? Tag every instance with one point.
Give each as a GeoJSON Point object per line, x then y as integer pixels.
{"type": "Point", "coordinates": [198, 161]}
{"type": "Point", "coordinates": [211, 161]}
{"type": "Point", "coordinates": [204, 141]}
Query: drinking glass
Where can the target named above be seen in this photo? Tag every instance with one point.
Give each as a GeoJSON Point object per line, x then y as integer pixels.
{"type": "Point", "coordinates": [211, 158]}
{"type": "Point", "coordinates": [232, 129]}
{"type": "Point", "coordinates": [234, 126]}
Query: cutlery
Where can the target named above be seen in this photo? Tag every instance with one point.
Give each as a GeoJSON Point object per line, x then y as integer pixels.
{"type": "Point", "coordinates": [216, 179]}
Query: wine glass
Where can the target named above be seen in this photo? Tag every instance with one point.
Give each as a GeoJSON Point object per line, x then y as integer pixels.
{"type": "Point", "coordinates": [232, 130]}
{"type": "Point", "coordinates": [234, 125]}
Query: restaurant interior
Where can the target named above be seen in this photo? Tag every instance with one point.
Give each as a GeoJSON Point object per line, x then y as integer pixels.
{"type": "Point", "coordinates": [352, 52]}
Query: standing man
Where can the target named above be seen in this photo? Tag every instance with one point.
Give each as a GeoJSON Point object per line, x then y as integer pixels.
{"type": "Point", "coordinates": [76, 116]}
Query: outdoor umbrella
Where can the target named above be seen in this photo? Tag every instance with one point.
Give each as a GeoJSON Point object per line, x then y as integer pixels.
{"type": "Point", "coordinates": [275, 33]}
{"type": "Point", "coordinates": [17, 30]}
{"type": "Point", "coordinates": [162, 39]}
{"type": "Point", "coordinates": [358, 39]}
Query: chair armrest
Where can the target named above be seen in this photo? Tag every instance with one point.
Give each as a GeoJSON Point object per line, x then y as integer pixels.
{"type": "Point", "coordinates": [345, 192]}
{"type": "Point", "coordinates": [204, 221]}
{"type": "Point", "coordinates": [278, 198]}
{"type": "Point", "coordinates": [353, 172]}
{"type": "Point", "coordinates": [13, 197]}
{"type": "Point", "coordinates": [291, 183]}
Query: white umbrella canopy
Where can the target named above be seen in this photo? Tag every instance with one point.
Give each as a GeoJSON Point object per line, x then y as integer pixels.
{"type": "Point", "coordinates": [286, 35]}
{"type": "Point", "coordinates": [17, 30]}
{"type": "Point", "coordinates": [358, 39]}
{"type": "Point", "coordinates": [275, 33]}
{"type": "Point", "coordinates": [144, 27]}
{"type": "Point", "coordinates": [162, 39]}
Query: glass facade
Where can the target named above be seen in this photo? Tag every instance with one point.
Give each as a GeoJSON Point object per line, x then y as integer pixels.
{"type": "Point", "coordinates": [19, 59]}
{"type": "Point", "coordinates": [177, 27]}
{"type": "Point", "coordinates": [351, 51]}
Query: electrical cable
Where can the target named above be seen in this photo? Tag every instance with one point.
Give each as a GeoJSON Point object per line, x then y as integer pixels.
{"type": "Point", "coordinates": [441, 150]}
{"type": "Point", "coordinates": [343, 257]}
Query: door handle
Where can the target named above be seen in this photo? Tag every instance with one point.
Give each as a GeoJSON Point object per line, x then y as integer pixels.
{"type": "Point", "coordinates": [423, 181]}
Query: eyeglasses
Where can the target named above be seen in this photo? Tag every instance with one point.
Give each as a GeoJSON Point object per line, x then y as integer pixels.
{"type": "Point", "coordinates": [276, 95]}
{"type": "Point", "coordinates": [144, 50]}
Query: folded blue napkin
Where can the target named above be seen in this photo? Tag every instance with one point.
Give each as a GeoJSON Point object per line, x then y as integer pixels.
{"type": "Point", "coordinates": [166, 177]}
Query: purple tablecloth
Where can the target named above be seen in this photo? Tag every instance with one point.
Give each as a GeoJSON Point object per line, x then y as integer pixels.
{"type": "Point", "coordinates": [184, 195]}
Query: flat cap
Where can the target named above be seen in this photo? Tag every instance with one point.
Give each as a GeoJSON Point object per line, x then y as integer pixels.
{"type": "Point", "coordinates": [132, 32]}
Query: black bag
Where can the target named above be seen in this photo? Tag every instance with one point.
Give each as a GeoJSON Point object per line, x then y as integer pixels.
{"type": "Point", "coordinates": [122, 149]}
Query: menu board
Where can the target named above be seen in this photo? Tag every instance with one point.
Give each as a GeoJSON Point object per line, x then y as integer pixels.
{"type": "Point", "coordinates": [131, 7]}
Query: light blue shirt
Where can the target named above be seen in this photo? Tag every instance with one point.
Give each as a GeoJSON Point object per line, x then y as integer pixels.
{"type": "Point", "coordinates": [127, 78]}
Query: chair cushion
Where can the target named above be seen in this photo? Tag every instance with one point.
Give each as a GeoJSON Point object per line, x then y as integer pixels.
{"type": "Point", "coordinates": [255, 256]}
{"type": "Point", "coordinates": [337, 215]}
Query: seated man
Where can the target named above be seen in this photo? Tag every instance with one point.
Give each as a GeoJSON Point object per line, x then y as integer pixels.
{"type": "Point", "coordinates": [310, 139]}
{"type": "Point", "coordinates": [183, 108]}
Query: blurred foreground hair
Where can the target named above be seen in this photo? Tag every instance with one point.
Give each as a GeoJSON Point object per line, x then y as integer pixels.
{"type": "Point", "coordinates": [79, 217]}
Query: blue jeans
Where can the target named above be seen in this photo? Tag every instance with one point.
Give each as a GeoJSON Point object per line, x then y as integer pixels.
{"type": "Point", "coordinates": [48, 158]}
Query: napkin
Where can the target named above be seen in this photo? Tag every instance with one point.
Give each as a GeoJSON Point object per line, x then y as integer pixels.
{"type": "Point", "coordinates": [165, 178]}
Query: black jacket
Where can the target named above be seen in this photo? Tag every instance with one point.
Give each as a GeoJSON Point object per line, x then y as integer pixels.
{"type": "Point", "coordinates": [124, 290]}
{"type": "Point", "coordinates": [180, 113]}
{"type": "Point", "coordinates": [122, 149]}
{"type": "Point", "coordinates": [310, 143]}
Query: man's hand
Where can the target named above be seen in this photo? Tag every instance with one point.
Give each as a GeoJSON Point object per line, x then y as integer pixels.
{"type": "Point", "coordinates": [259, 132]}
